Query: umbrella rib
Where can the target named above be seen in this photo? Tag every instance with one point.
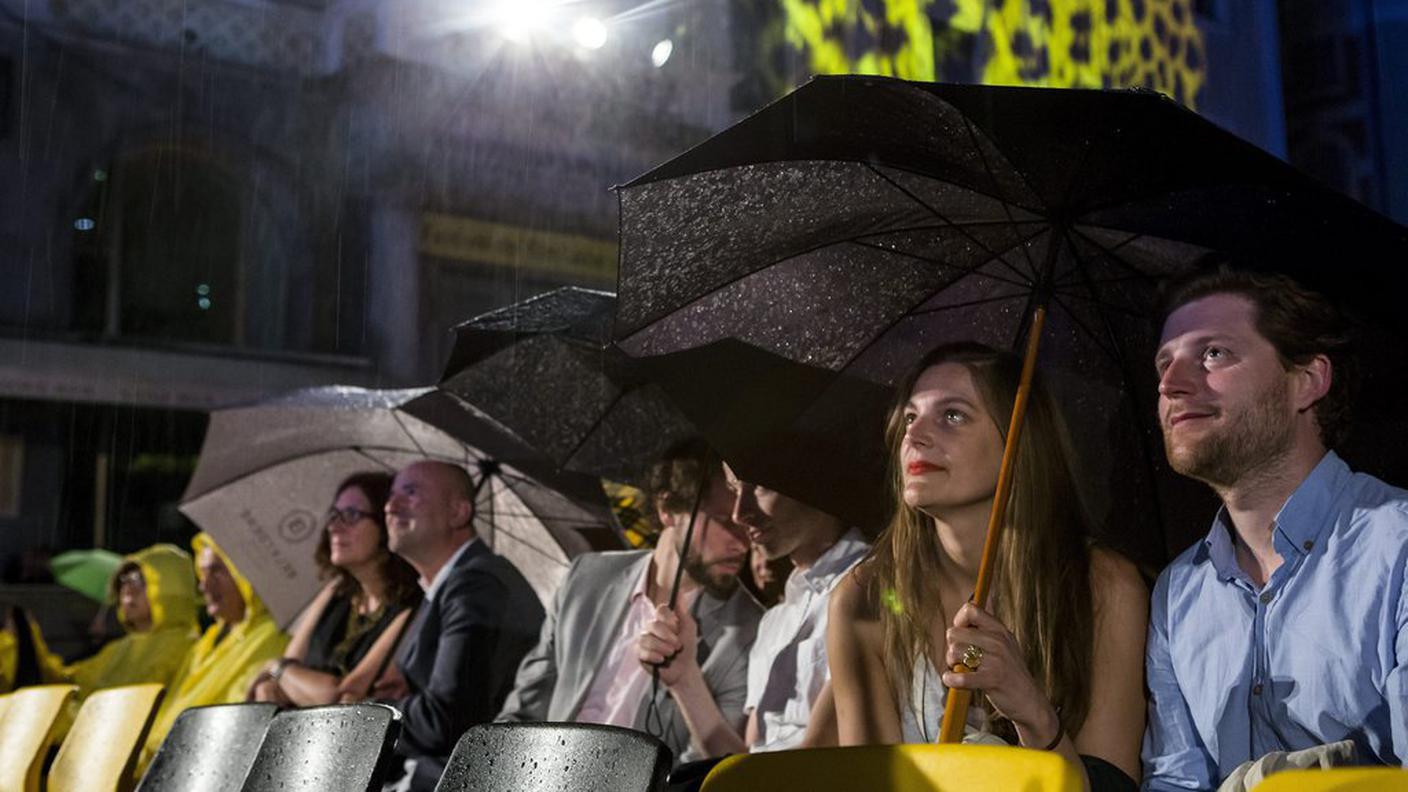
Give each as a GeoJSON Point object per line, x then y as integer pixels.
{"type": "Point", "coordinates": [570, 522]}
{"type": "Point", "coordinates": [1110, 252]}
{"type": "Point", "coordinates": [499, 532]}
{"type": "Point", "coordinates": [359, 450]}
{"type": "Point", "coordinates": [966, 304]}
{"type": "Point", "coordinates": [1124, 366]}
{"type": "Point", "coordinates": [1088, 281]}
{"type": "Point", "coordinates": [948, 222]}
{"type": "Point", "coordinates": [738, 278]}
{"type": "Point", "coordinates": [995, 255]}
{"type": "Point", "coordinates": [1068, 292]}
{"type": "Point", "coordinates": [591, 430]}
{"type": "Point", "coordinates": [987, 167]}
{"type": "Point", "coordinates": [875, 339]}
{"type": "Point", "coordinates": [509, 481]}
{"type": "Point", "coordinates": [1094, 337]}
{"type": "Point", "coordinates": [356, 449]}
{"type": "Point", "coordinates": [396, 416]}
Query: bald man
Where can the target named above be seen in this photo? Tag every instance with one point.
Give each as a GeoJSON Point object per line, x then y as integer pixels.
{"type": "Point", "coordinates": [478, 619]}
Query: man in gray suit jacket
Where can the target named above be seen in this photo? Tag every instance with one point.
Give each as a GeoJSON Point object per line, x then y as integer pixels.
{"type": "Point", "coordinates": [587, 664]}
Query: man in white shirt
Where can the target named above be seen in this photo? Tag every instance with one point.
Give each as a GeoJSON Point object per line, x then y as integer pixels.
{"type": "Point", "coordinates": [788, 702]}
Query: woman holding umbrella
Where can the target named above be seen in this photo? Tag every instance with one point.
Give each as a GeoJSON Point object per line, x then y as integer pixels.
{"type": "Point", "coordinates": [348, 633]}
{"type": "Point", "coordinates": [1059, 656]}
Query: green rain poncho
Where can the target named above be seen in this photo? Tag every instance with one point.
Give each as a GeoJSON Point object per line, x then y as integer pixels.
{"type": "Point", "coordinates": [223, 663]}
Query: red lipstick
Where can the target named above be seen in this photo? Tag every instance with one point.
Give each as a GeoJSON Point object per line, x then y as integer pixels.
{"type": "Point", "coordinates": [919, 468]}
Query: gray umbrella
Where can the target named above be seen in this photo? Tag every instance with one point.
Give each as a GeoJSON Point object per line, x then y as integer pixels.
{"type": "Point", "coordinates": [267, 472]}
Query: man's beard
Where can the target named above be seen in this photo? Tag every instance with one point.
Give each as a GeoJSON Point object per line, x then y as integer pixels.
{"type": "Point", "coordinates": [719, 585]}
{"type": "Point", "coordinates": [1250, 440]}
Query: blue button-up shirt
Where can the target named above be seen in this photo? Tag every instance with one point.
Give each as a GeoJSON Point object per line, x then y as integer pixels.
{"type": "Point", "coordinates": [1319, 654]}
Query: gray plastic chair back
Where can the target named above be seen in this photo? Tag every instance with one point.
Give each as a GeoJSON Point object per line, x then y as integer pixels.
{"type": "Point", "coordinates": [555, 757]}
{"type": "Point", "coordinates": [209, 749]}
{"type": "Point", "coordinates": [337, 748]}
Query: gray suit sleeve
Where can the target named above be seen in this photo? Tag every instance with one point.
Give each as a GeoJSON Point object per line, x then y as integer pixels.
{"type": "Point", "coordinates": [537, 674]}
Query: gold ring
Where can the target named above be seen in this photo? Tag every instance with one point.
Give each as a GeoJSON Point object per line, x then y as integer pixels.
{"type": "Point", "coordinates": [973, 657]}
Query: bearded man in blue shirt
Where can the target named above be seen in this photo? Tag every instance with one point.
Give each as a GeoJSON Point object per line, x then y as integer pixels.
{"type": "Point", "coordinates": [1287, 626]}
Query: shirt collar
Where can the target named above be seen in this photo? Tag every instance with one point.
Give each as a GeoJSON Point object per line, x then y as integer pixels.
{"type": "Point", "coordinates": [642, 586]}
{"type": "Point", "coordinates": [838, 558]}
{"type": "Point", "coordinates": [434, 585]}
{"type": "Point", "coordinates": [1302, 519]}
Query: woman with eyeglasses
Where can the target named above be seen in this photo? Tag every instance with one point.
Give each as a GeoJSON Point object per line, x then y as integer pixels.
{"type": "Point", "coordinates": [345, 638]}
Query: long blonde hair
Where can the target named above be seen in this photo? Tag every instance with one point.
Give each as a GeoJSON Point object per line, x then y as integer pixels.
{"type": "Point", "coordinates": [1042, 587]}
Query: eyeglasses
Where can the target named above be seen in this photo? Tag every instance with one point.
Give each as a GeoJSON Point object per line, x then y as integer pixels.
{"type": "Point", "coordinates": [347, 516]}
{"type": "Point", "coordinates": [132, 578]}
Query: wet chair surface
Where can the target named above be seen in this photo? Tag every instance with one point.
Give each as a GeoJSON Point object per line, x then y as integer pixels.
{"type": "Point", "coordinates": [337, 748]}
{"type": "Point", "coordinates": [209, 749]}
{"type": "Point", "coordinates": [539, 757]}
{"type": "Point", "coordinates": [100, 750]}
{"type": "Point", "coordinates": [917, 768]}
{"type": "Point", "coordinates": [32, 721]}
{"type": "Point", "coordinates": [1343, 779]}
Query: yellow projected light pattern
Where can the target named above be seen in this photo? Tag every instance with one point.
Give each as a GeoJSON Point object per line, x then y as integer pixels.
{"type": "Point", "coordinates": [1058, 43]}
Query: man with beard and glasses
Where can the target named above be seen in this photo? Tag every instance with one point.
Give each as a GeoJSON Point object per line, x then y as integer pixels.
{"type": "Point", "coordinates": [1286, 628]}
{"type": "Point", "coordinates": [613, 608]}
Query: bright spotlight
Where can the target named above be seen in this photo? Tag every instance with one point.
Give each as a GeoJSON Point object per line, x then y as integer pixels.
{"type": "Point", "coordinates": [662, 53]}
{"type": "Point", "coordinates": [520, 19]}
{"type": "Point", "coordinates": [589, 33]}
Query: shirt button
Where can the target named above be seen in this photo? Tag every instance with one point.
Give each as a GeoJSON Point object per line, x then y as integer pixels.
{"type": "Point", "coordinates": [1265, 597]}
{"type": "Point", "coordinates": [1256, 689]}
{"type": "Point", "coordinates": [1309, 544]}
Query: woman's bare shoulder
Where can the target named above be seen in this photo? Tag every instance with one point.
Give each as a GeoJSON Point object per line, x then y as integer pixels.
{"type": "Point", "coordinates": [1119, 592]}
{"type": "Point", "coordinates": [852, 599]}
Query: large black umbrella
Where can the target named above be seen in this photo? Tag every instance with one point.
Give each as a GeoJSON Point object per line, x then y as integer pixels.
{"type": "Point", "coordinates": [860, 221]}
{"type": "Point", "coordinates": [799, 429]}
{"type": "Point", "coordinates": [267, 471]}
{"type": "Point", "coordinates": [545, 368]}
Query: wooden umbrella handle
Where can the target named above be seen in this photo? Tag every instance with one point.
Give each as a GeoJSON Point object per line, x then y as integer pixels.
{"type": "Point", "coordinates": [957, 700]}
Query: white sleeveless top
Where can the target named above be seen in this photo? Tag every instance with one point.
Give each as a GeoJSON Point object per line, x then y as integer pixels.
{"type": "Point", "coordinates": [921, 720]}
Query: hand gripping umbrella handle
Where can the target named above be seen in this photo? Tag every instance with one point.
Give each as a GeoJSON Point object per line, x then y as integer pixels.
{"type": "Point", "coordinates": [956, 702]}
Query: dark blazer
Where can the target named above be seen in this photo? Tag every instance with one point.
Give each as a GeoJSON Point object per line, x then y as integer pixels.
{"type": "Point", "coordinates": [581, 628]}
{"type": "Point", "coordinates": [461, 653]}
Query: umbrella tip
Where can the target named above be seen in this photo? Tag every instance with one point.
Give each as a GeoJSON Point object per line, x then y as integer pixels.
{"type": "Point", "coordinates": [488, 468]}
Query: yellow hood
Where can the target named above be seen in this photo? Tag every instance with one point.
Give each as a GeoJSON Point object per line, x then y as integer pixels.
{"type": "Point", "coordinates": [221, 665]}
{"type": "Point", "coordinates": [253, 606]}
{"type": "Point", "coordinates": [171, 585]}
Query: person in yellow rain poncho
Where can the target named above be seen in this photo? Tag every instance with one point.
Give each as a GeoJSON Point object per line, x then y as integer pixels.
{"type": "Point", "coordinates": [220, 667]}
{"type": "Point", "coordinates": [155, 592]}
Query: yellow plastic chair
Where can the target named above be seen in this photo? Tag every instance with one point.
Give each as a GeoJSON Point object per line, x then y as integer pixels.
{"type": "Point", "coordinates": [1343, 779]}
{"type": "Point", "coordinates": [32, 721]}
{"type": "Point", "coordinates": [911, 768]}
{"type": "Point", "coordinates": [100, 750]}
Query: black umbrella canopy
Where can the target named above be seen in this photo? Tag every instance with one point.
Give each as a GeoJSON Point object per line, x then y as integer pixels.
{"type": "Point", "coordinates": [545, 369]}
{"type": "Point", "coordinates": [801, 430]}
{"type": "Point", "coordinates": [858, 222]}
{"type": "Point", "coordinates": [900, 190]}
